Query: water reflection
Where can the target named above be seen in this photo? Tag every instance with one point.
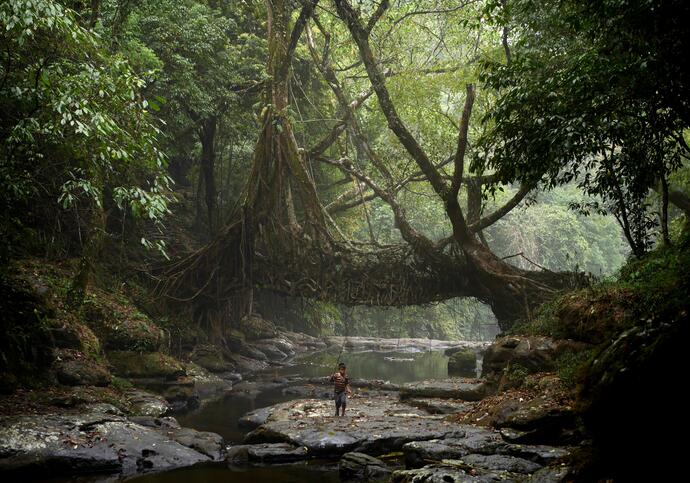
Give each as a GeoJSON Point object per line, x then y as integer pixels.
{"type": "Point", "coordinates": [396, 367]}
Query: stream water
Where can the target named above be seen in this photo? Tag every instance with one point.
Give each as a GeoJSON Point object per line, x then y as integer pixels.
{"type": "Point", "coordinates": [221, 416]}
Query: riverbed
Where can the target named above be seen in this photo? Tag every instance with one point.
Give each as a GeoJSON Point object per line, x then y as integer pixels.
{"type": "Point", "coordinates": [222, 416]}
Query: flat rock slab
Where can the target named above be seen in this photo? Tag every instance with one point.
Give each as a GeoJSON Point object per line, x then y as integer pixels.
{"type": "Point", "coordinates": [373, 425]}
{"type": "Point", "coordinates": [477, 442]}
{"type": "Point", "coordinates": [56, 445]}
{"type": "Point", "coordinates": [466, 390]}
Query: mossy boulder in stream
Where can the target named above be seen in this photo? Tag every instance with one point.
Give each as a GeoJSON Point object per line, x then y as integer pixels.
{"type": "Point", "coordinates": [210, 357]}
{"type": "Point", "coordinates": [463, 362]}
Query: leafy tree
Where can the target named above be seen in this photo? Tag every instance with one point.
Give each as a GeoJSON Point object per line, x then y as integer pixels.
{"type": "Point", "coordinates": [595, 93]}
{"type": "Point", "coordinates": [76, 129]}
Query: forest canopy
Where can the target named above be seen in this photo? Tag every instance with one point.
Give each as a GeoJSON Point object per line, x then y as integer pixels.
{"type": "Point", "coordinates": [499, 147]}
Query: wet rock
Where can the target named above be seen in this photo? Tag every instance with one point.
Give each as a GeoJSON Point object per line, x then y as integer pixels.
{"type": "Point", "coordinates": [270, 350]}
{"type": "Point", "coordinates": [551, 474]}
{"type": "Point", "coordinates": [276, 453]}
{"type": "Point", "coordinates": [446, 388]}
{"type": "Point", "coordinates": [246, 365]}
{"type": "Point", "coordinates": [303, 342]}
{"type": "Point", "coordinates": [499, 462]}
{"type": "Point", "coordinates": [210, 357]}
{"type": "Point", "coordinates": [470, 440]}
{"type": "Point", "coordinates": [82, 372]}
{"type": "Point", "coordinates": [284, 345]}
{"type": "Point", "coordinates": [373, 426]}
{"type": "Point", "coordinates": [266, 453]}
{"type": "Point", "coordinates": [180, 393]}
{"type": "Point", "coordinates": [254, 419]}
{"type": "Point", "coordinates": [145, 365]}
{"type": "Point", "coordinates": [481, 441]}
{"type": "Point", "coordinates": [207, 384]}
{"type": "Point", "coordinates": [463, 363]}
{"type": "Point", "coordinates": [360, 466]}
{"type": "Point", "coordinates": [440, 406]}
{"type": "Point", "coordinates": [146, 404]}
{"type": "Point", "coordinates": [56, 445]}
{"type": "Point", "coordinates": [206, 443]}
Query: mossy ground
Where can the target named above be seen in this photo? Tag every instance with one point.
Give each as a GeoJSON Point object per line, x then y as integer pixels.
{"type": "Point", "coordinates": [34, 306]}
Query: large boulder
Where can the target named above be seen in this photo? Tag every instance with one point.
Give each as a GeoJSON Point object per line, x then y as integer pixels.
{"type": "Point", "coordinates": [266, 453]}
{"type": "Point", "coordinates": [138, 365]}
{"type": "Point", "coordinates": [362, 467]}
{"type": "Point", "coordinates": [82, 372]}
{"type": "Point", "coordinates": [463, 363]}
{"type": "Point", "coordinates": [256, 327]}
{"type": "Point", "coordinates": [210, 357]}
{"type": "Point", "coordinates": [122, 327]}
{"type": "Point", "coordinates": [208, 385]}
{"type": "Point", "coordinates": [144, 403]}
{"type": "Point", "coordinates": [52, 445]}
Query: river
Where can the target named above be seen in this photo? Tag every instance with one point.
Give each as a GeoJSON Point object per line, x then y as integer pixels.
{"type": "Point", "coordinates": [221, 416]}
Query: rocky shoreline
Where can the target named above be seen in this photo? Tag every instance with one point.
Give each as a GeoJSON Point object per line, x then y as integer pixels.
{"type": "Point", "coordinates": [439, 429]}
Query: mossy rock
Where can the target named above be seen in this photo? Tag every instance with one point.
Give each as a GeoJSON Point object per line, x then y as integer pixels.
{"type": "Point", "coordinates": [76, 336]}
{"type": "Point", "coordinates": [463, 362]}
{"type": "Point", "coordinates": [82, 372]}
{"type": "Point", "coordinates": [145, 365]}
{"type": "Point", "coordinates": [211, 358]}
{"type": "Point", "coordinates": [255, 327]}
{"type": "Point", "coordinates": [122, 327]}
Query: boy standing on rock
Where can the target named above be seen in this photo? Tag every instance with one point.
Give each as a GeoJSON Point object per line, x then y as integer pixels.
{"type": "Point", "coordinates": [341, 387]}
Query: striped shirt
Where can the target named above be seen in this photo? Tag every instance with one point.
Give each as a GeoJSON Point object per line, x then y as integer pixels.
{"type": "Point", "coordinates": [340, 382]}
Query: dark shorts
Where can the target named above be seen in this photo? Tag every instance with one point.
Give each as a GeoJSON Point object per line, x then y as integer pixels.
{"type": "Point", "coordinates": [340, 399]}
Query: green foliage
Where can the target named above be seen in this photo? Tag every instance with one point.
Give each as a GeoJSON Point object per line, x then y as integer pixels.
{"type": "Point", "coordinates": [594, 94]}
{"type": "Point", "coordinates": [77, 127]}
{"type": "Point", "coordinates": [572, 366]}
{"type": "Point", "coordinates": [515, 374]}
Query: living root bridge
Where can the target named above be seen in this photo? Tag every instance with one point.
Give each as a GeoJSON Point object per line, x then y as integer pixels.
{"type": "Point", "coordinates": [300, 265]}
